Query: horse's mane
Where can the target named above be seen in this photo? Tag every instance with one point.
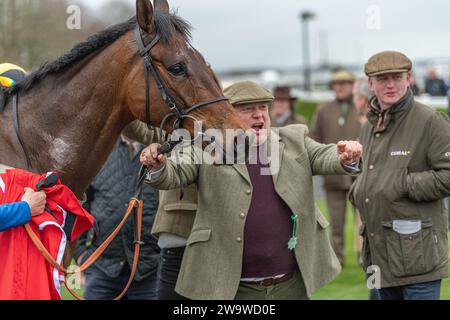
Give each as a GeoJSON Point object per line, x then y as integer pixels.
{"type": "Point", "coordinates": [166, 26]}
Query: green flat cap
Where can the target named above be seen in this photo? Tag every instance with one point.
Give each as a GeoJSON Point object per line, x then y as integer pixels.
{"type": "Point", "coordinates": [247, 92]}
{"type": "Point", "coordinates": [387, 62]}
{"type": "Point", "coordinates": [343, 76]}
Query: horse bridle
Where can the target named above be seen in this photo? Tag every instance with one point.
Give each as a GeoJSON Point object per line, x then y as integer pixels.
{"type": "Point", "coordinates": [175, 110]}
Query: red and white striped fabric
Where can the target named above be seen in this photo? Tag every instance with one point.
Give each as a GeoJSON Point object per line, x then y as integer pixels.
{"type": "Point", "coordinates": [24, 273]}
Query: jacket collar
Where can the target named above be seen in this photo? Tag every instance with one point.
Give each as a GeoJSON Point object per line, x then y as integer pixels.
{"type": "Point", "coordinates": [348, 100]}
{"type": "Point", "coordinates": [381, 119]}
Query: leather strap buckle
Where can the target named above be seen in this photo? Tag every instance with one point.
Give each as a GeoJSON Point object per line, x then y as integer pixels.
{"type": "Point", "coordinates": [274, 281]}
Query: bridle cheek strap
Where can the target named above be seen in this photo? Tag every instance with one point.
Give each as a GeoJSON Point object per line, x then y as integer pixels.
{"type": "Point", "coordinates": [175, 110]}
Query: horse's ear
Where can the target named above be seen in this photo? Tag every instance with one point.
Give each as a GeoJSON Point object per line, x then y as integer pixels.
{"type": "Point", "coordinates": [161, 6]}
{"type": "Point", "coordinates": [144, 15]}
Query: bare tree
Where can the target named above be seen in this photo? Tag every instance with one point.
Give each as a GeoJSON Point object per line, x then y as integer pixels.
{"type": "Point", "coordinates": [35, 31]}
{"type": "Point", "coordinates": [115, 11]}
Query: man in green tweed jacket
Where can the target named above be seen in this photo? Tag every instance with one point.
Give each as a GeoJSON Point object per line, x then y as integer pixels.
{"type": "Point", "coordinates": [255, 235]}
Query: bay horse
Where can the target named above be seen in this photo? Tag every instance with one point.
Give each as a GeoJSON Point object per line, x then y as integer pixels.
{"type": "Point", "coordinates": [73, 110]}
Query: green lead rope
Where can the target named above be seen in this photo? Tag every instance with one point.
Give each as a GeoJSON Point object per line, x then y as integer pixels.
{"type": "Point", "coordinates": [293, 240]}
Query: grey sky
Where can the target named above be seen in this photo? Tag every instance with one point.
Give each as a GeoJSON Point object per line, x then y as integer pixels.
{"type": "Point", "coordinates": [249, 33]}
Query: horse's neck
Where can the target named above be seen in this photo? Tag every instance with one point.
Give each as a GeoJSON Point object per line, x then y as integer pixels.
{"type": "Point", "coordinates": [74, 125]}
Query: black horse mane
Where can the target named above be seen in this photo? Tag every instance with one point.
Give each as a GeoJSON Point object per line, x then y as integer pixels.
{"type": "Point", "coordinates": [166, 26]}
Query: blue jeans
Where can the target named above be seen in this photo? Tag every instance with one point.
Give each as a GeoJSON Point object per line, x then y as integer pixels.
{"type": "Point", "coordinates": [101, 287]}
{"type": "Point", "coordinates": [169, 268]}
{"type": "Point", "coordinates": [418, 291]}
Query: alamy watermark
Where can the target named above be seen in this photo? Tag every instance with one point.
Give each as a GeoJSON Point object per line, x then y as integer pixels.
{"type": "Point", "coordinates": [227, 147]}
{"type": "Point", "coordinates": [374, 277]}
{"type": "Point", "coordinates": [73, 22]}
{"type": "Point", "coordinates": [74, 278]}
{"type": "Point", "coordinates": [373, 21]}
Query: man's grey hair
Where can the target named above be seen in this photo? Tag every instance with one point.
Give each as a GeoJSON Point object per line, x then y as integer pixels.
{"type": "Point", "coordinates": [362, 88]}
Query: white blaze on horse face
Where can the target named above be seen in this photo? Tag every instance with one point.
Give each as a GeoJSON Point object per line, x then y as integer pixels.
{"type": "Point", "coordinates": [59, 152]}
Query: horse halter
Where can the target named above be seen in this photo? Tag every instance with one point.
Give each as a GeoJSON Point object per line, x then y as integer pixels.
{"type": "Point", "coordinates": [175, 110]}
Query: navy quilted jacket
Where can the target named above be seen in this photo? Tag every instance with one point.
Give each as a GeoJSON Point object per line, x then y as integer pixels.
{"type": "Point", "coordinates": [108, 198]}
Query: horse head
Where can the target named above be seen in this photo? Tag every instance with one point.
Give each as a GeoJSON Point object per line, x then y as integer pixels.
{"type": "Point", "coordinates": [167, 64]}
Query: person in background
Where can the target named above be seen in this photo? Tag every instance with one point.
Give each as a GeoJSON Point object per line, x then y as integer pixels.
{"type": "Point", "coordinates": [20, 213]}
{"type": "Point", "coordinates": [435, 86]}
{"type": "Point", "coordinates": [361, 97]}
{"type": "Point", "coordinates": [172, 227]}
{"type": "Point", "coordinates": [107, 200]}
{"type": "Point", "coordinates": [413, 86]}
{"type": "Point", "coordinates": [283, 111]}
{"type": "Point", "coordinates": [173, 222]}
{"type": "Point", "coordinates": [334, 121]}
{"type": "Point", "coordinates": [405, 176]}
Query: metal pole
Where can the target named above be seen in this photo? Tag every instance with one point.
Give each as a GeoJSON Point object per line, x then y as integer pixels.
{"type": "Point", "coordinates": [304, 17]}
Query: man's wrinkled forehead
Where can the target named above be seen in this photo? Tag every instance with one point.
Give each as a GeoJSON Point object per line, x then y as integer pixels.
{"type": "Point", "coordinates": [251, 105]}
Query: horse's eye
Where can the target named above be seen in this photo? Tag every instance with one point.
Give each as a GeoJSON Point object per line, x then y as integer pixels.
{"type": "Point", "coordinates": [178, 69]}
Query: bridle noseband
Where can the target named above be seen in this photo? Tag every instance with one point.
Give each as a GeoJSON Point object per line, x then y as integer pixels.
{"type": "Point", "coordinates": [175, 110]}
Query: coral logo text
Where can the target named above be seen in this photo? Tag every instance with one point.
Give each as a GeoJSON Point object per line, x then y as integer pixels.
{"type": "Point", "coordinates": [400, 153]}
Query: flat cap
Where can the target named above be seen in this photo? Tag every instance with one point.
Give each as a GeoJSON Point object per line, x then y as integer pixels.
{"type": "Point", "coordinates": [387, 62]}
{"type": "Point", "coordinates": [247, 92]}
{"type": "Point", "coordinates": [283, 93]}
{"type": "Point", "coordinates": [343, 76]}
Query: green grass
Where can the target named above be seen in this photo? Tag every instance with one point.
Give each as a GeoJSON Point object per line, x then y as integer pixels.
{"type": "Point", "coordinates": [67, 296]}
{"type": "Point", "coordinates": [351, 283]}
{"type": "Point", "coordinates": [306, 109]}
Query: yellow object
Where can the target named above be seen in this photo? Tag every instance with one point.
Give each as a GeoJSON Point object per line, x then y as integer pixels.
{"type": "Point", "coordinates": [9, 66]}
{"type": "Point", "coordinates": [10, 74]}
{"type": "Point", "coordinates": [6, 82]}
{"type": "Point", "coordinates": [343, 76]}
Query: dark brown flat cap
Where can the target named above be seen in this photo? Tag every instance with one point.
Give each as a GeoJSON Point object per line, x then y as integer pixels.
{"type": "Point", "coordinates": [283, 93]}
{"type": "Point", "coordinates": [387, 62]}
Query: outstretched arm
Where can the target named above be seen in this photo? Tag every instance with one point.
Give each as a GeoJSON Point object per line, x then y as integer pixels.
{"type": "Point", "coordinates": [333, 159]}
